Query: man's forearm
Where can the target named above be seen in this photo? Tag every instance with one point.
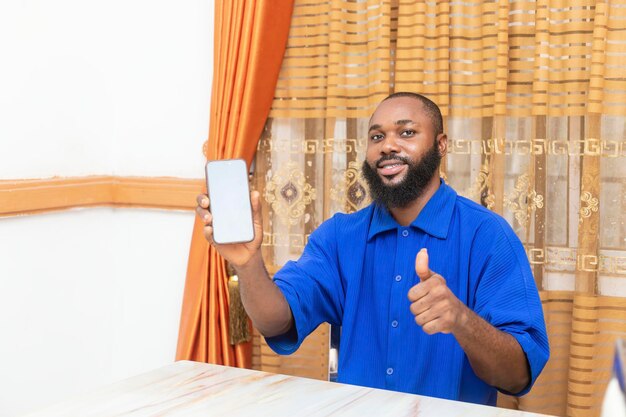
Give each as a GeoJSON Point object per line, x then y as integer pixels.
{"type": "Point", "coordinates": [264, 302]}
{"type": "Point", "coordinates": [496, 357]}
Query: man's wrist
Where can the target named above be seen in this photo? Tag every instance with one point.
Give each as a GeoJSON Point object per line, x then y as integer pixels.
{"type": "Point", "coordinates": [254, 262]}
{"type": "Point", "coordinates": [463, 322]}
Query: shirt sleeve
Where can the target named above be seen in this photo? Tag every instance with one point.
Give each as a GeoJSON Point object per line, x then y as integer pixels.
{"type": "Point", "coordinates": [312, 287]}
{"type": "Point", "coordinates": [506, 295]}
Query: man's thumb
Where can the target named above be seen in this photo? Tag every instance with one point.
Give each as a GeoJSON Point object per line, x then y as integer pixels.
{"type": "Point", "coordinates": [421, 265]}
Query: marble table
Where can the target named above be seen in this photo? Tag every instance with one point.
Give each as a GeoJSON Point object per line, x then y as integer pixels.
{"type": "Point", "coordinates": [199, 389]}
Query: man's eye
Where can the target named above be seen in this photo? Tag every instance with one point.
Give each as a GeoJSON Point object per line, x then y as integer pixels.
{"type": "Point", "coordinates": [408, 132]}
{"type": "Point", "coordinates": [376, 138]}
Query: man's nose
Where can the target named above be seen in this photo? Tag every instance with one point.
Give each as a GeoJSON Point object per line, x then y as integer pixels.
{"type": "Point", "coordinates": [390, 145]}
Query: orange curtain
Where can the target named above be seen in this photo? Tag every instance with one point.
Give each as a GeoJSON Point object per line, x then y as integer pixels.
{"type": "Point", "coordinates": [250, 40]}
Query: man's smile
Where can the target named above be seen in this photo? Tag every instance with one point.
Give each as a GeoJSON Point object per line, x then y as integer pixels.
{"type": "Point", "coordinates": [390, 167]}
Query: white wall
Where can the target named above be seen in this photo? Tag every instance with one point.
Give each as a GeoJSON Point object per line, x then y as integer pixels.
{"type": "Point", "coordinates": [87, 297]}
{"type": "Point", "coordinates": [90, 296]}
{"type": "Point", "coordinates": [99, 87]}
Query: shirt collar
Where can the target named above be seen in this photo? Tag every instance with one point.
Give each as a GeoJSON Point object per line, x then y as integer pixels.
{"type": "Point", "coordinates": [434, 218]}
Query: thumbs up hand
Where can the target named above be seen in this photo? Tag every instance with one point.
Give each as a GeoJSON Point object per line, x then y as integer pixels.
{"type": "Point", "coordinates": [434, 305]}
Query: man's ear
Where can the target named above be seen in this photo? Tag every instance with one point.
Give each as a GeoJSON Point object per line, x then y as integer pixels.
{"type": "Point", "coordinates": [442, 144]}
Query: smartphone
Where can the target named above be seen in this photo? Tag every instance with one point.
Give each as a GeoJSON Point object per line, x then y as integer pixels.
{"type": "Point", "coordinates": [229, 201]}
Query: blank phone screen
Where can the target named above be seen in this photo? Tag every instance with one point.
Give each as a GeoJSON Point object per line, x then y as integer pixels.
{"type": "Point", "coordinates": [229, 195]}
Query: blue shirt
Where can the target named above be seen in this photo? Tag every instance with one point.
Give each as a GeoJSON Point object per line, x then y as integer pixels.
{"type": "Point", "coordinates": [357, 269]}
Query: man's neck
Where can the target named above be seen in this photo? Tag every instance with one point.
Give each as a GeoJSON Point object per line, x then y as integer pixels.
{"type": "Point", "coordinates": [406, 215]}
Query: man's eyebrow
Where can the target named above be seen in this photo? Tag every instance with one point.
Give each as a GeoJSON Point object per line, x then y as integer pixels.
{"type": "Point", "coordinates": [400, 122]}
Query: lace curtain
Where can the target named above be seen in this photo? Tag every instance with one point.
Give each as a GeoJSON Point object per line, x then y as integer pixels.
{"type": "Point", "coordinates": [534, 99]}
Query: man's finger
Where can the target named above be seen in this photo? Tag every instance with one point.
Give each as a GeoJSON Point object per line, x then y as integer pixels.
{"type": "Point", "coordinates": [420, 306]}
{"type": "Point", "coordinates": [432, 327]}
{"type": "Point", "coordinates": [208, 234]}
{"type": "Point", "coordinates": [426, 317]}
{"type": "Point", "coordinates": [200, 211]}
{"type": "Point", "coordinates": [421, 265]}
{"type": "Point", "coordinates": [418, 291]}
{"type": "Point", "coordinates": [204, 215]}
{"type": "Point", "coordinates": [202, 200]}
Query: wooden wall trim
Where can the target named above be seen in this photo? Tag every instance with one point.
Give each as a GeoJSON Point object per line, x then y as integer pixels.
{"type": "Point", "coordinates": [166, 193]}
{"type": "Point", "coordinates": [18, 197]}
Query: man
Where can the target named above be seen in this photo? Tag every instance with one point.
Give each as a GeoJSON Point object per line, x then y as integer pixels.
{"type": "Point", "coordinates": [434, 293]}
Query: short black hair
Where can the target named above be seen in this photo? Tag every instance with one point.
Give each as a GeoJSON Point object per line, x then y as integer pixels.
{"type": "Point", "coordinates": [432, 110]}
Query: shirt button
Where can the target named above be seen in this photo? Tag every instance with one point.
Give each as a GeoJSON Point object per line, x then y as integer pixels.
{"type": "Point", "coordinates": [405, 233]}
{"type": "Point", "coordinates": [394, 323]}
{"type": "Point", "coordinates": [398, 278]}
{"type": "Point", "coordinates": [389, 371]}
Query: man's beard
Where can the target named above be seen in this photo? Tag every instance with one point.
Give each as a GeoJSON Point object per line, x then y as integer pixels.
{"type": "Point", "coordinates": [411, 187]}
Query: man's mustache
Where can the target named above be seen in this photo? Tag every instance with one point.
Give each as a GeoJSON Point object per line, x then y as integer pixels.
{"type": "Point", "coordinates": [393, 158]}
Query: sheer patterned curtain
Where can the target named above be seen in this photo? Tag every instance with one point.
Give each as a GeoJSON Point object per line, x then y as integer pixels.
{"type": "Point", "coordinates": [534, 99]}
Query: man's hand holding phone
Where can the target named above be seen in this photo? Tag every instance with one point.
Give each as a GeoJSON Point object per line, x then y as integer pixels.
{"type": "Point", "coordinates": [237, 254]}
{"type": "Point", "coordinates": [233, 225]}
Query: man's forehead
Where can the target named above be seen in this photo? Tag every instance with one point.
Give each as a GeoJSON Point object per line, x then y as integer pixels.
{"type": "Point", "coordinates": [398, 109]}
